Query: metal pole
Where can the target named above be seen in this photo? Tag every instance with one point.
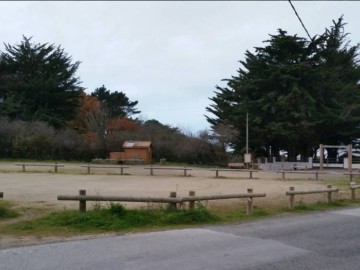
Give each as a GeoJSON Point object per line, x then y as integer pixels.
{"type": "Point", "coordinates": [247, 133]}
{"type": "Point", "coordinates": [350, 158]}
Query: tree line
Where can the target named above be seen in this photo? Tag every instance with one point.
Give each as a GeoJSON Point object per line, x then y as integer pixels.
{"type": "Point", "coordinates": [298, 93]}
{"type": "Point", "coordinates": [45, 113]}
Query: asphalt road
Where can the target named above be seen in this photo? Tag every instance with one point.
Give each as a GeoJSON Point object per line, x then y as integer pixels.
{"type": "Point", "coordinates": [328, 241]}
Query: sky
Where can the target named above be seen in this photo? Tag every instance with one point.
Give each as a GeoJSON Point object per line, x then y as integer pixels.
{"type": "Point", "coordinates": [167, 55]}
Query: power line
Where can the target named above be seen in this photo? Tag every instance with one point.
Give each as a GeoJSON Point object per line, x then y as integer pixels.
{"type": "Point", "coordinates": [297, 15]}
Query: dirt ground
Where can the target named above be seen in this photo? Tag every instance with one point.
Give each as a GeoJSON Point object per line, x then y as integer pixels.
{"type": "Point", "coordinates": [39, 186]}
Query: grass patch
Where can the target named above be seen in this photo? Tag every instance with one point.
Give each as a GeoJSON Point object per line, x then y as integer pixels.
{"type": "Point", "coordinates": [6, 211]}
{"type": "Point", "coordinates": [116, 218]}
{"type": "Point", "coordinates": [113, 218]}
{"type": "Point", "coordinates": [321, 206]}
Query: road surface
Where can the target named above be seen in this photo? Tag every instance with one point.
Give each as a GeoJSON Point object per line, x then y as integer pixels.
{"type": "Point", "coordinates": [329, 240]}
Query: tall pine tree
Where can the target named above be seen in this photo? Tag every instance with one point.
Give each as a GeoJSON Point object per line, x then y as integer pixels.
{"type": "Point", "coordinates": [298, 93]}
{"type": "Point", "coordinates": [38, 82]}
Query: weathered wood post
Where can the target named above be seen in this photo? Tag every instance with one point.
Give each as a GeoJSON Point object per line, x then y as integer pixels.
{"type": "Point", "coordinates": [56, 167]}
{"type": "Point", "coordinates": [329, 194]}
{"type": "Point", "coordinates": [291, 198]}
{"type": "Point", "coordinates": [191, 203]}
{"type": "Point", "coordinates": [88, 168]}
{"type": "Point", "coordinates": [250, 174]}
{"type": "Point", "coordinates": [317, 175]}
{"type": "Point", "coordinates": [121, 170]}
{"type": "Point", "coordinates": [82, 203]}
{"type": "Point", "coordinates": [1, 195]}
{"type": "Point", "coordinates": [23, 167]}
{"type": "Point", "coordinates": [283, 174]}
{"type": "Point", "coordinates": [249, 208]}
{"type": "Point", "coordinates": [151, 172]}
{"type": "Point", "coordinates": [217, 173]}
{"type": "Point", "coordinates": [352, 190]}
{"type": "Point", "coordinates": [184, 171]}
{"type": "Point", "coordinates": [172, 205]}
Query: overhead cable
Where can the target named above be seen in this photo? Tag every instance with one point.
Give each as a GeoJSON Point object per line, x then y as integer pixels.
{"type": "Point", "coordinates": [297, 15]}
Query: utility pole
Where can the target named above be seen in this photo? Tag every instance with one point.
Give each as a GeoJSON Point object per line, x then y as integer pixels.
{"type": "Point", "coordinates": [247, 155]}
{"type": "Point", "coordinates": [247, 133]}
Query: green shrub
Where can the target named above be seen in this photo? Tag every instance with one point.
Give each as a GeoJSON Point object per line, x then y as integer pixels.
{"type": "Point", "coordinates": [6, 211]}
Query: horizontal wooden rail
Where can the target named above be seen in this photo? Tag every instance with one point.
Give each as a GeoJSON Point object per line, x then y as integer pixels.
{"type": "Point", "coordinates": [104, 167]}
{"type": "Point", "coordinates": [118, 199]}
{"type": "Point", "coordinates": [222, 197]}
{"type": "Point", "coordinates": [234, 170]}
{"type": "Point", "coordinates": [291, 193]}
{"type": "Point", "coordinates": [172, 200]}
{"type": "Point", "coordinates": [185, 169]}
{"type": "Point", "coordinates": [24, 165]}
{"type": "Point", "coordinates": [283, 172]}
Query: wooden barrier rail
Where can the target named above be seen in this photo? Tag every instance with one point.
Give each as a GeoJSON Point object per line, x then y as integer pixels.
{"type": "Point", "coordinates": [234, 170]}
{"type": "Point", "coordinates": [104, 167]}
{"type": "Point", "coordinates": [236, 165]}
{"type": "Point", "coordinates": [172, 200]}
{"type": "Point", "coordinates": [185, 169]}
{"type": "Point", "coordinates": [353, 188]}
{"type": "Point", "coordinates": [291, 193]}
{"type": "Point", "coordinates": [283, 172]}
{"type": "Point", "coordinates": [24, 165]}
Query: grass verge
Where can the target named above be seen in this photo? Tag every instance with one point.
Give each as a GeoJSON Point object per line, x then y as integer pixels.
{"type": "Point", "coordinates": [115, 218]}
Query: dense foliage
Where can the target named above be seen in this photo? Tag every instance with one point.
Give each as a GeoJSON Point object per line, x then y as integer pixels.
{"type": "Point", "coordinates": [117, 103]}
{"type": "Point", "coordinates": [298, 93]}
{"type": "Point", "coordinates": [38, 83]}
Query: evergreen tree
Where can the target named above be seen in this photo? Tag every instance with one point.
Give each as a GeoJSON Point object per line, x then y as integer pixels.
{"type": "Point", "coordinates": [298, 94]}
{"type": "Point", "coordinates": [117, 103]}
{"type": "Point", "coordinates": [38, 82]}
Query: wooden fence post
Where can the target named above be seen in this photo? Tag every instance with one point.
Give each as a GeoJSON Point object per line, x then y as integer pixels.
{"type": "Point", "coordinates": [191, 203]}
{"type": "Point", "coordinates": [56, 167]}
{"type": "Point", "coordinates": [352, 191]}
{"type": "Point", "coordinates": [121, 170]}
{"type": "Point", "coordinates": [1, 195]}
{"type": "Point", "coordinates": [329, 194]}
{"type": "Point", "coordinates": [88, 169]}
{"type": "Point", "coordinates": [82, 203]}
{"type": "Point", "coordinates": [291, 198]}
{"type": "Point", "coordinates": [172, 206]}
{"type": "Point", "coordinates": [249, 208]}
{"type": "Point", "coordinates": [23, 167]}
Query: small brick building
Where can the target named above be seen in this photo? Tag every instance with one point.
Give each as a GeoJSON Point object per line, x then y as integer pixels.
{"type": "Point", "coordinates": [137, 152]}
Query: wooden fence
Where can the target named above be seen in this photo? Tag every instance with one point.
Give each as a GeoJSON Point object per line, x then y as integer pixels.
{"type": "Point", "coordinates": [55, 165]}
{"type": "Point", "coordinates": [172, 200]}
{"type": "Point", "coordinates": [353, 188]}
{"type": "Point", "coordinates": [291, 193]}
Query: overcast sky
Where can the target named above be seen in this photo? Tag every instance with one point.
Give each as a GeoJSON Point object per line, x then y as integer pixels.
{"type": "Point", "coordinates": [169, 56]}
